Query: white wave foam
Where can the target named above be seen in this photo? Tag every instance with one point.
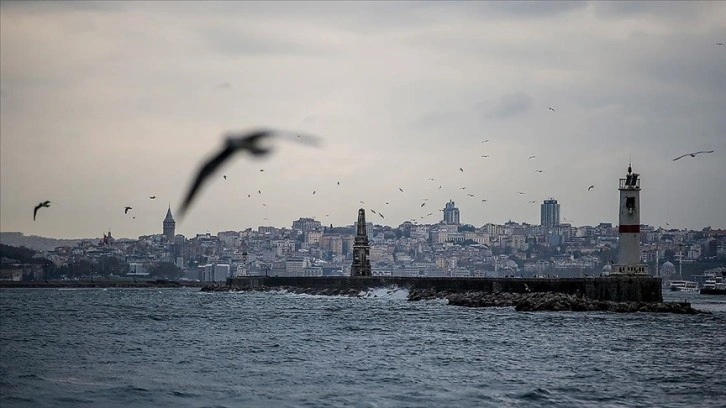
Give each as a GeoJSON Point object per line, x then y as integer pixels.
{"type": "Point", "coordinates": [389, 293]}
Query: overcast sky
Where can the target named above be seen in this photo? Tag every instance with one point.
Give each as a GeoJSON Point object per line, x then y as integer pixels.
{"type": "Point", "coordinates": [105, 104]}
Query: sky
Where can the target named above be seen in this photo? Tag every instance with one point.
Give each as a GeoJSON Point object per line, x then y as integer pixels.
{"type": "Point", "coordinates": [105, 104]}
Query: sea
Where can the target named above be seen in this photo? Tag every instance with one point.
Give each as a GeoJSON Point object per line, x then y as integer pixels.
{"type": "Point", "coordinates": [180, 347]}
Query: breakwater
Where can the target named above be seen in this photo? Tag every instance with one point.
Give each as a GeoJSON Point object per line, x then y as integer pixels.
{"type": "Point", "coordinates": [610, 288]}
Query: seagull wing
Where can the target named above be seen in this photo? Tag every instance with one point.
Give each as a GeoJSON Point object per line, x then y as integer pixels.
{"type": "Point", "coordinates": [204, 173]}
{"type": "Point", "coordinates": [681, 156]}
{"type": "Point", "coordinates": [704, 151]}
{"type": "Point", "coordinates": [35, 210]}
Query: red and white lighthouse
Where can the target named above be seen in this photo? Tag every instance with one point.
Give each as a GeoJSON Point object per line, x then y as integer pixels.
{"type": "Point", "coordinates": [629, 229]}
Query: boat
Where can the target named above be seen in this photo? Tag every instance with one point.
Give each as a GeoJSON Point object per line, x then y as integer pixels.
{"type": "Point", "coordinates": [683, 286]}
{"type": "Point", "coordinates": [714, 286]}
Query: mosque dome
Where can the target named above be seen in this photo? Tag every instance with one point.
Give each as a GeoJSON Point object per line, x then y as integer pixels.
{"type": "Point", "coordinates": [668, 267]}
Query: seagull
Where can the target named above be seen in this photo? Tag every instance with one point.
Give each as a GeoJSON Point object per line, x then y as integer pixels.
{"type": "Point", "coordinates": [126, 209]}
{"type": "Point", "coordinates": [225, 177]}
{"type": "Point", "coordinates": [520, 193]}
{"type": "Point", "coordinates": [152, 197]}
{"type": "Point", "coordinates": [431, 179]}
{"type": "Point", "coordinates": [262, 170]}
{"type": "Point", "coordinates": [532, 202]}
{"type": "Point", "coordinates": [362, 202]}
{"type": "Point", "coordinates": [539, 171]}
{"type": "Point", "coordinates": [248, 196]}
{"type": "Point", "coordinates": [339, 183]}
{"type": "Point", "coordinates": [484, 141]}
{"type": "Point", "coordinates": [551, 108]}
{"type": "Point", "coordinates": [692, 154]}
{"type": "Point", "coordinates": [381, 215]}
{"type": "Point", "coordinates": [470, 195]}
{"type": "Point", "coordinates": [400, 189]}
{"type": "Point", "coordinates": [37, 207]}
{"type": "Point", "coordinates": [462, 188]}
{"type": "Point", "coordinates": [591, 187]}
{"type": "Point", "coordinates": [719, 43]}
{"type": "Point", "coordinates": [483, 201]}
{"type": "Point", "coordinates": [386, 203]}
{"type": "Point", "coordinates": [422, 204]}
{"type": "Point", "coordinates": [484, 155]}
{"type": "Point", "coordinates": [133, 218]}
{"type": "Point", "coordinates": [259, 191]}
{"type": "Point", "coordinates": [532, 157]}
{"type": "Point", "coordinates": [373, 211]}
{"type": "Point", "coordinates": [460, 169]}
{"type": "Point", "coordinates": [234, 143]}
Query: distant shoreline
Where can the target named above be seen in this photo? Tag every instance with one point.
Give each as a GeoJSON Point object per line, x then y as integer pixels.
{"type": "Point", "coordinates": [104, 284]}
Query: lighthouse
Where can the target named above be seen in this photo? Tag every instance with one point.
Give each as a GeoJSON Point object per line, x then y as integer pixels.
{"type": "Point", "coordinates": [629, 229]}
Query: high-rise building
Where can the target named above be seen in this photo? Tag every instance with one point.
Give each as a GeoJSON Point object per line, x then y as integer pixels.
{"type": "Point", "coordinates": [451, 213]}
{"type": "Point", "coordinates": [550, 213]}
{"type": "Point", "coordinates": [361, 250]}
{"type": "Point", "coordinates": [169, 226]}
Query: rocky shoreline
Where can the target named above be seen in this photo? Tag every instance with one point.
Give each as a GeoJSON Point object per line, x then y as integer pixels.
{"type": "Point", "coordinates": [526, 302]}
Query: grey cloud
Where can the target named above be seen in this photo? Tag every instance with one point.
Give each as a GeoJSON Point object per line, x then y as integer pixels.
{"type": "Point", "coordinates": [660, 9]}
{"type": "Point", "coordinates": [61, 6]}
{"type": "Point", "coordinates": [243, 41]}
{"type": "Point", "coordinates": [506, 106]}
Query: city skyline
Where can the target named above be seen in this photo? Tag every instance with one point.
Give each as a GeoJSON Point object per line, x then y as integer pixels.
{"type": "Point", "coordinates": [104, 105]}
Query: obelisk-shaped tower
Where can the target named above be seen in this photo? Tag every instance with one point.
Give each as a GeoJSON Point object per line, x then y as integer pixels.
{"type": "Point", "coordinates": [361, 262]}
{"type": "Point", "coordinates": [629, 228]}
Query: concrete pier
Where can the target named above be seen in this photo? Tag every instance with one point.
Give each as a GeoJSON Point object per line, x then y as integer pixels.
{"type": "Point", "coordinates": [623, 288]}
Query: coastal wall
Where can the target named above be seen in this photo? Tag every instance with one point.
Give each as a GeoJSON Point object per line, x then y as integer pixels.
{"type": "Point", "coordinates": [618, 289]}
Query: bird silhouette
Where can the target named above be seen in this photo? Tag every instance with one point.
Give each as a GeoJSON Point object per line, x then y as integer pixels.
{"type": "Point", "coordinates": [422, 204]}
{"type": "Point", "coordinates": [470, 195]}
{"type": "Point", "coordinates": [261, 170]}
{"type": "Point", "coordinates": [431, 179]}
{"type": "Point", "coordinates": [381, 215]}
{"type": "Point", "coordinates": [39, 206]}
{"type": "Point", "coordinates": [539, 171]}
{"type": "Point", "coordinates": [126, 209]}
{"type": "Point", "coordinates": [225, 177]}
{"type": "Point", "coordinates": [373, 211]}
{"type": "Point", "coordinates": [692, 154]}
{"type": "Point", "coordinates": [460, 169]}
{"type": "Point", "coordinates": [250, 142]}
{"type": "Point", "coordinates": [484, 141]}
{"type": "Point", "coordinates": [591, 187]}
{"type": "Point", "coordinates": [520, 193]}
{"type": "Point", "coordinates": [532, 157]}
{"type": "Point", "coordinates": [551, 108]}
{"type": "Point", "coordinates": [313, 192]}
{"type": "Point", "coordinates": [483, 201]}
{"type": "Point", "coordinates": [400, 189]}
{"type": "Point", "coordinates": [532, 202]}
{"type": "Point", "coordinates": [152, 197]}
{"type": "Point", "coordinates": [484, 155]}
{"type": "Point", "coordinates": [719, 43]}
{"type": "Point", "coordinates": [339, 183]}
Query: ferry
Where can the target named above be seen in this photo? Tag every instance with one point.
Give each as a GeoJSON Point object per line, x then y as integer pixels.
{"type": "Point", "coordinates": [684, 286]}
{"type": "Point", "coordinates": [714, 286]}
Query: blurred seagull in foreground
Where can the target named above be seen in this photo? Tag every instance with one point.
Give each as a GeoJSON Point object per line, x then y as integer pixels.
{"type": "Point", "coordinates": [39, 206]}
{"type": "Point", "coordinates": [692, 154]}
{"type": "Point", "coordinates": [250, 142]}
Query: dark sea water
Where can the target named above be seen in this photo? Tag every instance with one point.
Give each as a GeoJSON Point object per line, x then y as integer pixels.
{"type": "Point", "coordinates": [186, 348]}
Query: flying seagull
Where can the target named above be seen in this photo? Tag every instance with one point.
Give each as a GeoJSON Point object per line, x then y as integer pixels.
{"type": "Point", "coordinates": [250, 142]}
{"type": "Point", "coordinates": [692, 154]}
{"type": "Point", "coordinates": [400, 189]}
{"type": "Point", "coordinates": [373, 211]}
{"type": "Point", "coordinates": [520, 193]}
{"type": "Point", "coordinates": [539, 171]}
{"type": "Point", "coordinates": [339, 183]}
{"type": "Point", "coordinates": [484, 141]}
{"type": "Point", "coordinates": [551, 108]}
{"type": "Point", "coordinates": [532, 157]}
{"type": "Point", "coordinates": [152, 197]}
{"type": "Point", "coordinates": [532, 202]}
{"type": "Point", "coordinates": [470, 195]}
{"type": "Point", "coordinates": [37, 207]}
{"type": "Point", "coordinates": [719, 43]}
{"type": "Point", "coordinates": [126, 209]}
{"type": "Point", "coordinates": [591, 187]}
{"type": "Point", "coordinates": [460, 169]}
{"type": "Point", "coordinates": [422, 204]}
{"type": "Point", "coordinates": [484, 155]}
{"type": "Point", "coordinates": [381, 215]}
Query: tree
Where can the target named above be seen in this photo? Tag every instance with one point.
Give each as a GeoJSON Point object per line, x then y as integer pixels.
{"type": "Point", "coordinates": [166, 270]}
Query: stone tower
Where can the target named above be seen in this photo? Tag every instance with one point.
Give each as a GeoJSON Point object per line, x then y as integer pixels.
{"type": "Point", "coordinates": [361, 262]}
{"type": "Point", "coordinates": [169, 226]}
{"type": "Point", "coordinates": [629, 228]}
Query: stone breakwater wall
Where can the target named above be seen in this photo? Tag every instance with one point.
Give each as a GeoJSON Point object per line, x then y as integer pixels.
{"type": "Point", "coordinates": [534, 301]}
{"type": "Point", "coordinates": [611, 288]}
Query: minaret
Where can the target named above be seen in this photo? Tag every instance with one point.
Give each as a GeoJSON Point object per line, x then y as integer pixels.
{"type": "Point", "coordinates": [169, 226]}
{"type": "Point", "coordinates": [629, 229]}
{"type": "Point", "coordinates": [361, 262]}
